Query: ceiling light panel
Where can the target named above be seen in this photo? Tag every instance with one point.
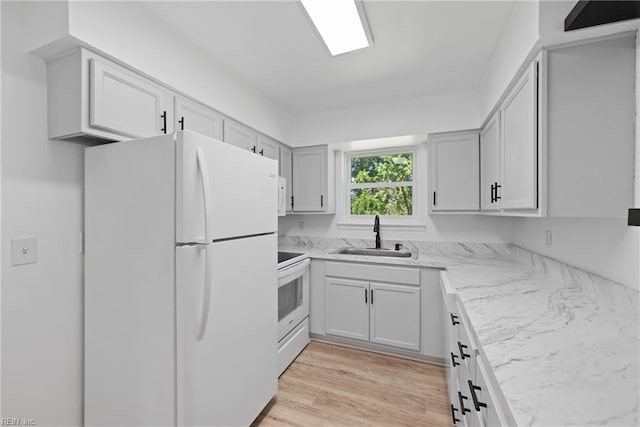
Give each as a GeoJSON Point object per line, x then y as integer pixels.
{"type": "Point", "coordinates": [338, 23]}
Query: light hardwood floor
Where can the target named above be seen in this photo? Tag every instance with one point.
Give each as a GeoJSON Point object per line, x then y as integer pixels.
{"type": "Point", "coordinates": [329, 385]}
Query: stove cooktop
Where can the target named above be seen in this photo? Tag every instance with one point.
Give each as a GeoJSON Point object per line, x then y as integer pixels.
{"type": "Point", "coordinates": [285, 256]}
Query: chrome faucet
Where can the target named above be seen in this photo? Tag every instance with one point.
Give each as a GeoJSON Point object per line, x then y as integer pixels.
{"type": "Point", "coordinates": [376, 229]}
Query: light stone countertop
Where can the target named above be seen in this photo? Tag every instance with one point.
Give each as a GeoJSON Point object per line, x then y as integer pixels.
{"type": "Point", "coordinates": [563, 344]}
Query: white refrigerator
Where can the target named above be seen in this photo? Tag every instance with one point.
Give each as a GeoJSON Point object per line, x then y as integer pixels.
{"type": "Point", "coordinates": [180, 283]}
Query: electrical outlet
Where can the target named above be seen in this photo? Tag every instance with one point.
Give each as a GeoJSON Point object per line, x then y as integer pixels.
{"type": "Point", "coordinates": [24, 251]}
{"type": "Point", "coordinates": [547, 235]}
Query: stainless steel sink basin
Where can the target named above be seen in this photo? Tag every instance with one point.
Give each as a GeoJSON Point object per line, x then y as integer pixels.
{"type": "Point", "coordinates": [373, 252]}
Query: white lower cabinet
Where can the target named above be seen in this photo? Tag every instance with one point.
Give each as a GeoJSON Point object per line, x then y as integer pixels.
{"type": "Point", "coordinates": [394, 315]}
{"type": "Point", "coordinates": [347, 308]}
{"type": "Point", "coordinates": [475, 397]}
{"type": "Point", "coordinates": [373, 311]}
{"type": "Point", "coordinates": [382, 313]}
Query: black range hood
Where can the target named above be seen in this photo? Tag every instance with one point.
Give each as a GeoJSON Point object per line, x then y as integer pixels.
{"type": "Point", "coordinates": [588, 13]}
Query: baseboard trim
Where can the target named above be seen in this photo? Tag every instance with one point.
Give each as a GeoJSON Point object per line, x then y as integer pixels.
{"type": "Point", "coordinates": [376, 348]}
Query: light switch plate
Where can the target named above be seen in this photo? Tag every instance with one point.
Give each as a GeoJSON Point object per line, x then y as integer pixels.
{"type": "Point", "coordinates": [24, 251]}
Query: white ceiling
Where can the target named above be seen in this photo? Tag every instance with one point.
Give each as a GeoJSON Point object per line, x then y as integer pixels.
{"type": "Point", "coordinates": [420, 48]}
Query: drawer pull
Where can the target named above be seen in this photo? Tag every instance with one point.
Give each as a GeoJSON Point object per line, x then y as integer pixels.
{"type": "Point", "coordinates": [454, 319]}
{"type": "Point", "coordinates": [453, 414]}
{"type": "Point", "coordinates": [476, 402]}
{"type": "Point", "coordinates": [461, 349]}
{"type": "Point", "coordinates": [453, 360]}
{"type": "Point", "coordinates": [462, 398]}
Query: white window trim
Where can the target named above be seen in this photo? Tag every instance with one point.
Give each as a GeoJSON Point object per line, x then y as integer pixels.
{"type": "Point", "coordinates": [343, 196]}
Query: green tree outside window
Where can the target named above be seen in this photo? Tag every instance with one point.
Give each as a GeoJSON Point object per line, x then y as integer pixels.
{"type": "Point", "coordinates": [382, 184]}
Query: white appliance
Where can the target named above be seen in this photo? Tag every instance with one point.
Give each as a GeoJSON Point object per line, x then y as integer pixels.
{"type": "Point", "coordinates": [282, 196]}
{"type": "Point", "coordinates": [293, 307]}
{"type": "Point", "coordinates": [180, 283]}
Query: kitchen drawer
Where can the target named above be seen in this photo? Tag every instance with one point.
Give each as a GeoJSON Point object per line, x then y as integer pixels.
{"type": "Point", "coordinates": [377, 273]}
{"type": "Point", "coordinates": [466, 346]}
{"type": "Point", "coordinates": [489, 397]}
{"type": "Point", "coordinates": [292, 344]}
{"type": "Point", "coordinates": [464, 401]}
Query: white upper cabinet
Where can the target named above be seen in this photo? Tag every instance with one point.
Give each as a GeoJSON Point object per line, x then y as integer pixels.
{"type": "Point", "coordinates": [92, 96]}
{"type": "Point", "coordinates": [286, 165]}
{"type": "Point", "coordinates": [126, 104]}
{"type": "Point", "coordinates": [190, 115]}
{"type": "Point", "coordinates": [490, 164]}
{"type": "Point", "coordinates": [268, 147]}
{"type": "Point", "coordinates": [454, 172]}
{"type": "Point", "coordinates": [591, 117]}
{"type": "Point", "coordinates": [240, 135]}
{"type": "Point", "coordinates": [519, 114]}
{"type": "Point", "coordinates": [312, 180]}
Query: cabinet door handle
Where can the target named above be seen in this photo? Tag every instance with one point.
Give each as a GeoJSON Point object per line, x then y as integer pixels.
{"type": "Point", "coordinates": [462, 348]}
{"type": "Point", "coordinates": [453, 414]}
{"type": "Point", "coordinates": [181, 121]}
{"type": "Point", "coordinates": [262, 152]}
{"type": "Point", "coordinates": [462, 398]}
{"type": "Point", "coordinates": [164, 122]}
{"type": "Point", "coordinates": [476, 403]}
{"type": "Point", "coordinates": [493, 188]}
{"type": "Point", "coordinates": [291, 202]}
{"type": "Point", "coordinates": [434, 198]}
{"type": "Point", "coordinates": [371, 297]}
{"type": "Point", "coordinates": [454, 319]}
{"type": "Point", "coordinates": [365, 296]}
{"type": "Point", "coordinates": [321, 201]}
{"type": "Point", "coordinates": [453, 360]}
{"type": "Point", "coordinates": [253, 148]}
{"type": "Point", "coordinates": [496, 190]}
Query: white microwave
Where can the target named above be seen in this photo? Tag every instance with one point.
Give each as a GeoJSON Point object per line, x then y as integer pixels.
{"type": "Point", "coordinates": [282, 196]}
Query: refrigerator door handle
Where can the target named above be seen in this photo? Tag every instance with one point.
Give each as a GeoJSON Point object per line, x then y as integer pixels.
{"type": "Point", "coordinates": [206, 293]}
{"type": "Point", "coordinates": [206, 194]}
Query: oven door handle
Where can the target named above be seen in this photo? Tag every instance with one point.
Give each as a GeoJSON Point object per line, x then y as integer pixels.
{"type": "Point", "coordinates": [294, 268]}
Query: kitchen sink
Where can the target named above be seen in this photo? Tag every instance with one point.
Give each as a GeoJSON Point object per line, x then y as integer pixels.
{"type": "Point", "coordinates": [372, 252]}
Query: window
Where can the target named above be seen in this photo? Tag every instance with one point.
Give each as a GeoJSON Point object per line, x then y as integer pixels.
{"type": "Point", "coordinates": [381, 183]}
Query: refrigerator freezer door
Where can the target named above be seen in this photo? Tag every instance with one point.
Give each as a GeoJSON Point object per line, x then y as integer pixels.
{"type": "Point", "coordinates": [243, 190]}
{"type": "Point", "coordinates": [227, 377]}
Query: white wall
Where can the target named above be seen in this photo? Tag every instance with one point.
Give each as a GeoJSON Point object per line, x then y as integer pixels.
{"type": "Point", "coordinates": [41, 197]}
{"type": "Point", "coordinates": [0, 208]}
{"type": "Point", "coordinates": [444, 228]}
{"type": "Point", "coordinates": [607, 247]}
{"type": "Point", "coordinates": [417, 116]}
{"type": "Point", "coordinates": [467, 228]}
{"type": "Point", "coordinates": [516, 42]}
{"type": "Point", "coordinates": [136, 35]}
{"type": "Point", "coordinates": [423, 115]}
{"type": "Point", "coordinates": [42, 187]}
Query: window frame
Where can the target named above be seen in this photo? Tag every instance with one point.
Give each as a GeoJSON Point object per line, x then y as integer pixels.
{"type": "Point", "coordinates": [348, 220]}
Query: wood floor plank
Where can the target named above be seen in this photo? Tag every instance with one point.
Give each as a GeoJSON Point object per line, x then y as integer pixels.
{"type": "Point", "coordinates": [330, 385]}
